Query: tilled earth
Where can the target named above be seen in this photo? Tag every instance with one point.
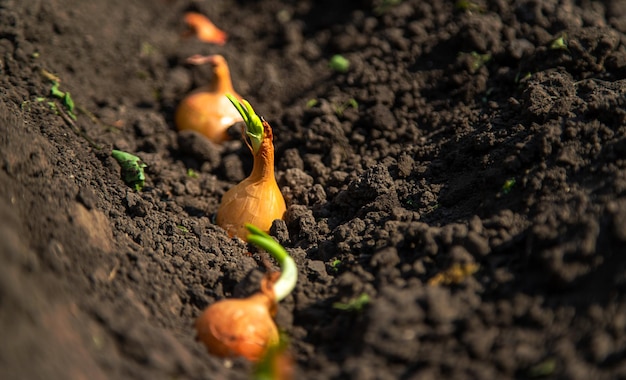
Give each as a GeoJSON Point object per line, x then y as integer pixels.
{"type": "Point", "coordinates": [466, 176]}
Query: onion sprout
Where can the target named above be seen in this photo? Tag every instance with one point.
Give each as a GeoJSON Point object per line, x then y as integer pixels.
{"type": "Point", "coordinates": [289, 272]}
{"type": "Point", "coordinates": [254, 124]}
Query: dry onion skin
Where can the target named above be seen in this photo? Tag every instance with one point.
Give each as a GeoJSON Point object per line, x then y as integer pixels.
{"type": "Point", "coordinates": [246, 327]}
{"type": "Point", "coordinates": [239, 327]}
{"type": "Point", "coordinates": [207, 110]}
{"type": "Point", "coordinates": [257, 199]}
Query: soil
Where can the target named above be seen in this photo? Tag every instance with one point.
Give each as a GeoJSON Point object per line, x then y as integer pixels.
{"type": "Point", "coordinates": [466, 174]}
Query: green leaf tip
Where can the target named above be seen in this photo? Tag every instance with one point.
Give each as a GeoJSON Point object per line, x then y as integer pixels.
{"type": "Point", "coordinates": [508, 185]}
{"type": "Point", "coordinates": [339, 63]}
{"type": "Point", "coordinates": [559, 43]}
{"type": "Point", "coordinates": [54, 90]}
{"type": "Point", "coordinates": [254, 124]}
{"type": "Point", "coordinates": [132, 169]}
{"type": "Point", "coordinates": [65, 97]}
{"type": "Point", "coordinates": [356, 304]}
{"type": "Point", "coordinates": [289, 272]}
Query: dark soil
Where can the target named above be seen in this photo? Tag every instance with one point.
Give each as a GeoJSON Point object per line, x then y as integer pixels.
{"type": "Point", "coordinates": [492, 134]}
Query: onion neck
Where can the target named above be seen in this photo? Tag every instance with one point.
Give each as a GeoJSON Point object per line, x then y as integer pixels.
{"type": "Point", "coordinates": [268, 300]}
{"type": "Point", "coordinates": [263, 167]}
{"type": "Point", "coordinates": [221, 82]}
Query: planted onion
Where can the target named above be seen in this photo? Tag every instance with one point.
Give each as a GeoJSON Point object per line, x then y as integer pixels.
{"type": "Point", "coordinates": [246, 327]}
{"type": "Point", "coordinates": [257, 199]}
{"type": "Point", "coordinates": [201, 27]}
{"type": "Point", "coordinates": [207, 110]}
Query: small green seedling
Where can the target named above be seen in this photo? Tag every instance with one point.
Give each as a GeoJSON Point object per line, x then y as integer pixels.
{"type": "Point", "coordinates": [356, 304]}
{"type": "Point", "coordinates": [191, 173]}
{"type": "Point", "coordinates": [132, 169]}
{"type": "Point", "coordinates": [311, 103]}
{"type": "Point", "coordinates": [51, 104]}
{"type": "Point", "coordinates": [147, 49]}
{"type": "Point", "coordinates": [65, 97]}
{"type": "Point", "coordinates": [469, 6]}
{"type": "Point", "coordinates": [335, 264]}
{"type": "Point", "coordinates": [478, 61]}
{"type": "Point", "coordinates": [559, 44]}
{"type": "Point", "coordinates": [543, 369]}
{"type": "Point", "coordinates": [339, 63]}
{"type": "Point", "coordinates": [350, 103]}
{"type": "Point", "coordinates": [508, 185]}
{"type": "Point", "coordinates": [182, 229]}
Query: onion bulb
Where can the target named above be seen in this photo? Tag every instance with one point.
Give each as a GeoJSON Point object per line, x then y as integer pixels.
{"type": "Point", "coordinates": [246, 327]}
{"type": "Point", "coordinates": [239, 327]}
{"type": "Point", "coordinates": [207, 110]}
{"type": "Point", "coordinates": [257, 199]}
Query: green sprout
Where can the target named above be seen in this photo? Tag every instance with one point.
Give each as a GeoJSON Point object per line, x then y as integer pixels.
{"type": "Point", "coordinates": [132, 169]}
{"type": "Point", "coordinates": [191, 173]}
{"type": "Point", "coordinates": [342, 107]}
{"type": "Point", "coordinates": [147, 49]}
{"type": "Point", "coordinates": [254, 124]}
{"type": "Point", "coordinates": [65, 97]}
{"type": "Point", "coordinates": [470, 6]}
{"type": "Point", "coordinates": [543, 369]}
{"type": "Point", "coordinates": [339, 63]}
{"type": "Point", "coordinates": [508, 185]}
{"type": "Point", "coordinates": [478, 60]}
{"type": "Point", "coordinates": [54, 91]}
{"type": "Point", "coordinates": [182, 228]}
{"type": "Point", "coordinates": [289, 272]}
{"type": "Point", "coordinates": [356, 304]}
{"type": "Point", "coordinates": [335, 264]}
{"type": "Point", "coordinates": [52, 105]}
{"type": "Point", "coordinates": [311, 103]}
{"type": "Point", "coordinates": [559, 44]}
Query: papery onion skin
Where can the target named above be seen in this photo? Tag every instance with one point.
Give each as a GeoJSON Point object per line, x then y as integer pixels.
{"type": "Point", "coordinates": [257, 199]}
{"type": "Point", "coordinates": [239, 327]}
{"type": "Point", "coordinates": [207, 110]}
